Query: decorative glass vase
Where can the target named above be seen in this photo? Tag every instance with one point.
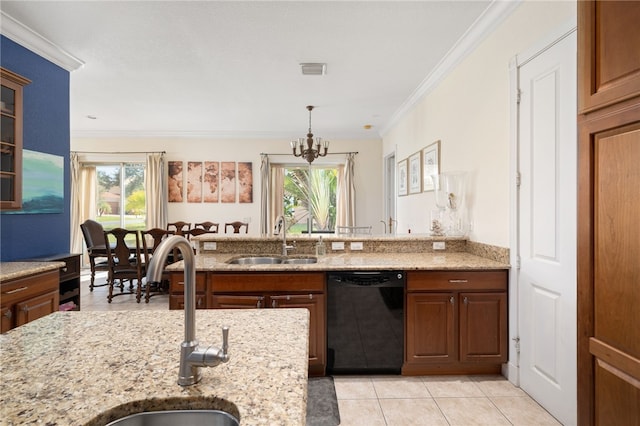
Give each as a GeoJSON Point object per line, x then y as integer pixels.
{"type": "Point", "coordinates": [450, 196]}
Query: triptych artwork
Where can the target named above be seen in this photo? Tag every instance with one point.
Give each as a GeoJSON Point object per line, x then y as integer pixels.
{"type": "Point", "coordinates": [210, 182]}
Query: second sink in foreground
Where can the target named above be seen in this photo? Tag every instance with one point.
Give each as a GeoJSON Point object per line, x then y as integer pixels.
{"type": "Point", "coordinates": [271, 260]}
{"type": "Point", "coordinates": [178, 417]}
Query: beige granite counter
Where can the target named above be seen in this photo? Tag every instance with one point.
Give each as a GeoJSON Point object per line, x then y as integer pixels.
{"type": "Point", "coordinates": [352, 262]}
{"type": "Point", "coordinates": [13, 270]}
{"type": "Point", "coordinates": [89, 368]}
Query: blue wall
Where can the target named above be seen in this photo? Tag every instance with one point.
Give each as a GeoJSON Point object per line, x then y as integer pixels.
{"type": "Point", "coordinates": [46, 129]}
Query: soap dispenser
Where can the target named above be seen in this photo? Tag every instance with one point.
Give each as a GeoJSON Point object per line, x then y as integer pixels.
{"type": "Point", "coordinates": [320, 248]}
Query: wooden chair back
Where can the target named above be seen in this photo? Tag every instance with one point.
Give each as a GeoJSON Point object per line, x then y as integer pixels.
{"type": "Point", "coordinates": [93, 234]}
{"type": "Point", "coordinates": [207, 226]}
{"type": "Point", "coordinates": [236, 226]}
{"type": "Point", "coordinates": [179, 228]}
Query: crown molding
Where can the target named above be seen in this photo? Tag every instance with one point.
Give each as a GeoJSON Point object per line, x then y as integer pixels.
{"type": "Point", "coordinates": [29, 39]}
{"type": "Point", "coordinates": [495, 13]}
{"type": "Point", "coordinates": [206, 134]}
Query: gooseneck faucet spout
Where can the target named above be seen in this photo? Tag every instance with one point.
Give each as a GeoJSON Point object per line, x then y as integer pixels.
{"type": "Point", "coordinates": [282, 226]}
{"type": "Point", "coordinates": [192, 357]}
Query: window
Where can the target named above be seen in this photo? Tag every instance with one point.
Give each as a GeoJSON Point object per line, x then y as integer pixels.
{"type": "Point", "coordinates": [121, 200]}
{"type": "Point", "coordinates": [309, 199]}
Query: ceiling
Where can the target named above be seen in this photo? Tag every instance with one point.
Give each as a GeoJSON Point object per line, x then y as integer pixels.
{"type": "Point", "coordinates": [231, 68]}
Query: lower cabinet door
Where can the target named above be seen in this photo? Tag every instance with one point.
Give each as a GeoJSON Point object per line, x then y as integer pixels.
{"type": "Point", "coordinates": [6, 320]}
{"type": "Point", "coordinates": [315, 303]}
{"type": "Point", "coordinates": [431, 328]}
{"type": "Point", "coordinates": [483, 327]}
{"type": "Point", "coordinates": [36, 307]}
{"type": "Point", "coordinates": [176, 301]}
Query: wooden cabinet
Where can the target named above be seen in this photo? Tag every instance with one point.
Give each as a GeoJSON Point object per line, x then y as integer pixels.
{"type": "Point", "coordinates": [218, 290]}
{"type": "Point", "coordinates": [11, 140]}
{"type": "Point", "coordinates": [456, 322]}
{"type": "Point", "coordinates": [608, 201]}
{"type": "Point", "coordinates": [176, 290]}
{"type": "Point", "coordinates": [29, 298]}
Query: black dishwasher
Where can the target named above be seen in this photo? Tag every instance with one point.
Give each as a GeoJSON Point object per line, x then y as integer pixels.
{"type": "Point", "coordinates": [365, 326]}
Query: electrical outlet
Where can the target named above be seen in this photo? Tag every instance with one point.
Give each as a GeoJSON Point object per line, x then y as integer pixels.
{"type": "Point", "coordinates": [439, 245]}
{"type": "Point", "coordinates": [356, 245]}
{"type": "Point", "coordinates": [210, 245]}
{"type": "Point", "coordinates": [337, 245]}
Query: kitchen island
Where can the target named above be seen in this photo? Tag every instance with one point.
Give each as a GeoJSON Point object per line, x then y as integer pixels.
{"type": "Point", "coordinates": [89, 368]}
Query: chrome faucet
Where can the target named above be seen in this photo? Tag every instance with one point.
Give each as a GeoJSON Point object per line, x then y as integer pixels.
{"type": "Point", "coordinates": [192, 357]}
{"type": "Point", "coordinates": [282, 226]}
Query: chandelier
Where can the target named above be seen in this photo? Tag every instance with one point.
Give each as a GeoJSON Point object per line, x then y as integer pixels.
{"type": "Point", "coordinates": [308, 152]}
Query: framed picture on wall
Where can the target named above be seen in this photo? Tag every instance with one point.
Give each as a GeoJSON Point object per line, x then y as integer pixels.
{"type": "Point", "coordinates": [430, 165]}
{"type": "Point", "coordinates": [415, 173]}
{"type": "Point", "coordinates": [402, 177]}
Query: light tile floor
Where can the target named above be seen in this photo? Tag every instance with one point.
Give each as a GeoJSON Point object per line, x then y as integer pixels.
{"type": "Point", "coordinates": [393, 400]}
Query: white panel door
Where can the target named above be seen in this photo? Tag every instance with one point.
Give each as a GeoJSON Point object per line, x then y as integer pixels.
{"type": "Point", "coordinates": [547, 228]}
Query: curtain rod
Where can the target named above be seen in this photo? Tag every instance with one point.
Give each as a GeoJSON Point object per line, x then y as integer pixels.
{"type": "Point", "coordinates": [328, 153]}
{"type": "Point", "coordinates": [120, 152]}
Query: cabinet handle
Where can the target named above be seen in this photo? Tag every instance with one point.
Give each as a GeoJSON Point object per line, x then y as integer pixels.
{"type": "Point", "coordinates": [25, 308]}
{"type": "Point", "coordinates": [199, 301]}
{"type": "Point", "coordinates": [274, 304]}
{"type": "Point", "coordinates": [310, 296]}
{"type": "Point", "coordinates": [451, 300]}
{"type": "Point", "coordinates": [465, 300]}
{"type": "Point", "coordinates": [8, 314]}
{"type": "Point", "coordinates": [458, 281]}
{"type": "Point", "coordinates": [259, 304]}
{"type": "Point", "coordinates": [65, 269]}
{"type": "Point", "coordinates": [16, 290]}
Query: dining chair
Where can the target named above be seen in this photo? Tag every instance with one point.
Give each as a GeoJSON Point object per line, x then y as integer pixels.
{"type": "Point", "coordinates": [207, 226]}
{"type": "Point", "coordinates": [179, 228]}
{"type": "Point", "coordinates": [152, 238]}
{"type": "Point", "coordinates": [127, 260]}
{"type": "Point", "coordinates": [93, 234]}
{"type": "Point", "coordinates": [237, 226]}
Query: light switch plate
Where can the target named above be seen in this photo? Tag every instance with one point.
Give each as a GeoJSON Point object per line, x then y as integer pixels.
{"type": "Point", "coordinates": [439, 245]}
{"type": "Point", "coordinates": [356, 245]}
{"type": "Point", "coordinates": [210, 245]}
{"type": "Point", "coordinates": [337, 245]}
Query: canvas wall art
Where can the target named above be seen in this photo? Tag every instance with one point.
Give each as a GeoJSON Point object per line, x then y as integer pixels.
{"type": "Point", "coordinates": [194, 182]}
{"type": "Point", "coordinates": [228, 182]}
{"type": "Point", "coordinates": [175, 182]}
{"type": "Point", "coordinates": [245, 182]}
{"type": "Point", "coordinates": [42, 183]}
{"type": "Point", "coordinates": [210, 187]}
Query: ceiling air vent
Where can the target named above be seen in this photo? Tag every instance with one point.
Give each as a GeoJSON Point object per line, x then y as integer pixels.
{"type": "Point", "coordinates": [312, 68]}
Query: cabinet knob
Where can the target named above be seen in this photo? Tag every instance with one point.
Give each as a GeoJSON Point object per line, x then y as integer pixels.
{"type": "Point", "coordinates": [8, 314]}
{"type": "Point", "coordinates": [274, 304]}
{"type": "Point", "coordinates": [451, 300]}
{"type": "Point", "coordinates": [259, 304]}
{"type": "Point", "coordinates": [465, 300]}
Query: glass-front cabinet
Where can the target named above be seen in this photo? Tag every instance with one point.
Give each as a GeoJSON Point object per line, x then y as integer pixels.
{"type": "Point", "coordinates": [11, 140]}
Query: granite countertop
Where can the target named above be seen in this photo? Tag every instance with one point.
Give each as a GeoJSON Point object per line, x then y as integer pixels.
{"type": "Point", "coordinates": [351, 261]}
{"type": "Point", "coordinates": [89, 368]}
{"type": "Point", "coordinates": [13, 270]}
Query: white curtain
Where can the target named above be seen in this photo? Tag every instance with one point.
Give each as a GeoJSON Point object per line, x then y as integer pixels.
{"type": "Point", "coordinates": [277, 192]}
{"type": "Point", "coordinates": [83, 197]}
{"type": "Point", "coordinates": [265, 219]}
{"type": "Point", "coordinates": [156, 187]}
{"type": "Point", "coordinates": [346, 198]}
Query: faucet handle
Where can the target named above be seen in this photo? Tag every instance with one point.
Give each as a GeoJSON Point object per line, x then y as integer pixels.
{"type": "Point", "coordinates": [225, 340]}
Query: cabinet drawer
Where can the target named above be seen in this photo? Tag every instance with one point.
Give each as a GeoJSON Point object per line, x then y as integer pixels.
{"type": "Point", "coordinates": [36, 307]}
{"type": "Point", "coordinates": [24, 288]}
{"type": "Point", "coordinates": [176, 285]}
{"type": "Point", "coordinates": [456, 280]}
{"type": "Point", "coordinates": [280, 282]}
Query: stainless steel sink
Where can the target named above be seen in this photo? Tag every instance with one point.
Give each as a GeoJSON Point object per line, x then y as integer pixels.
{"type": "Point", "coordinates": [256, 260]}
{"type": "Point", "coordinates": [272, 260]}
{"type": "Point", "coordinates": [178, 417]}
{"type": "Point", "coordinates": [301, 260]}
